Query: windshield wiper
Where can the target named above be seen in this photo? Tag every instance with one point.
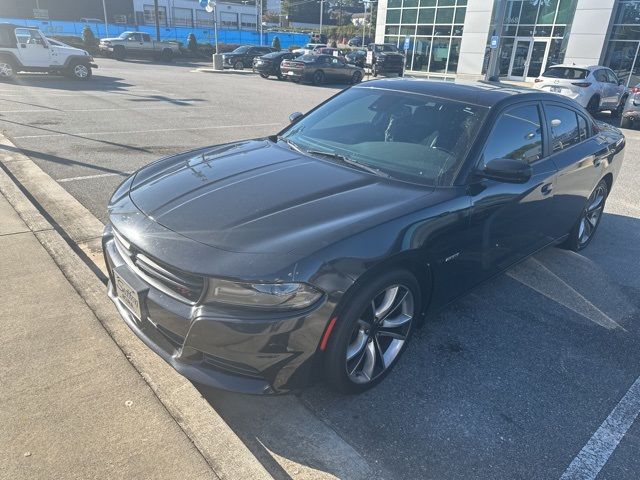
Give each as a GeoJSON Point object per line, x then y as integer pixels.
{"type": "Point", "coordinates": [349, 161]}
{"type": "Point", "coordinates": [291, 144]}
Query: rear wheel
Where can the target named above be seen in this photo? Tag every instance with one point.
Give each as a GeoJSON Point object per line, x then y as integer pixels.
{"type": "Point", "coordinates": [357, 77]}
{"type": "Point", "coordinates": [167, 55]}
{"type": "Point", "coordinates": [584, 229]}
{"type": "Point", "coordinates": [318, 77]}
{"type": "Point", "coordinates": [593, 106]}
{"type": "Point", "coordinates": [620, 108]}
{"type": "Point", "coordinates": [372, 331]}
{"type": "Point", "coordinates": [79, 71]}
{"type": "Point", "coordinates": [8, 69]}
{"type": "Point", "coordinates": [264, 75]}
{"type": "Point", "coordinates": [374, 71]}
{"type": "Point", "coordinates": [238, 65]}
{"type": "Point", "coordinates": [626, 122]}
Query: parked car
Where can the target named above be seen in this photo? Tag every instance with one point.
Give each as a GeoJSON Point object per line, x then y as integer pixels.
{"type": "Point", "coordinates": [318, 38]}
{"type": "Point", "coordinates": [631, 112]}
{"type": "Point", "coordinates": [386, 59]}
{"type": "Point", "coordinates": [357, 57]}
{"type": "Point", "coordinates": [269, 65]}
{"type": "Point", "coordinates": [336, 52]}
{"type": "Point", "coordinates": [137, 44]}
{"type": "Point", "coordinates": [258, 265]}
{"type": "Point", "coordinates": [310, 48]}
{"type": "Point", "coordinates": [28, 50]}
{"type": "Point", "coordinates": [594, 87]}
{"type": "Point", "coordinates": [319, 69]}
{"type": "Point", "coordinates": [242, 57]}
{"type": "Point", "coordinates": [357, 41]}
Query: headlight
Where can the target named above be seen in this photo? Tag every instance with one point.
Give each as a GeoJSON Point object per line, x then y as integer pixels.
{"type": "Point", "coordinates": [262, 295]}
{"type": "Point", "coordinates": [106, 43]}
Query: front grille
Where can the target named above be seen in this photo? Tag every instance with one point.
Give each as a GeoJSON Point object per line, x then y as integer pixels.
{"type": "Point", "coordinates": [175, 283]}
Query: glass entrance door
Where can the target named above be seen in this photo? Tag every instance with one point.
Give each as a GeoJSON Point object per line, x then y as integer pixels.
{"type": "Point", "coordinates": [528, 58]}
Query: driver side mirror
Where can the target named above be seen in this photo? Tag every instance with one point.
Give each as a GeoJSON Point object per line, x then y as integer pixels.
{"type": "Point", "coordinates": [620, 82]}
{"type": "Point", "coordinates": [294, 117]}
{"type": "Point", "coordinates": [507, 170]}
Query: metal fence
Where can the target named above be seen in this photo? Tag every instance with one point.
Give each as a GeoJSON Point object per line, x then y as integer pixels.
{"type": "Point", "coordinates": [203, 35]}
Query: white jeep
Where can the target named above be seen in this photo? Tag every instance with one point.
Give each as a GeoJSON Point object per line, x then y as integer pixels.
{"type": "Point", "coordinates": [25, 49]}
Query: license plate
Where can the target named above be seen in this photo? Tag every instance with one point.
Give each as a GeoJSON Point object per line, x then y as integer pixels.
{"type": "Point", "coordinates": [291, 73]}
{"type": "Point", "coordinates": [128, 295]}
{"type": "Point", "coordinates": [556, 89]}
{"type": "Point", "coordinates": [259, 62]}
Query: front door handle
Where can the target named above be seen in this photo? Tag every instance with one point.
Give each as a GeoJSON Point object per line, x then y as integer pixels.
{"type": "Point", "coordinates": [547, 188]}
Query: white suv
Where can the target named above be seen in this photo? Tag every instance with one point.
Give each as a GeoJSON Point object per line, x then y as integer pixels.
{"type": "Point", "coordinates": [594, 87]}
{"type": "Point", "coordinates": [28, 50]}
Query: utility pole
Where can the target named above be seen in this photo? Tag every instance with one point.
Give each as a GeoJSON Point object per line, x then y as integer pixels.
{"type": "Point", "coordinates": [364, 21]}
{"type": "Point", "coordinates": [157, 15]}
{"type": "Point", "coordinates": [493, 69]}
{"type": "Point", "coordinates": [106, 21]}
{"type": "Point", "coordinates": [321, 12]}
{"type": "Point", "coordinates": [261, 36]}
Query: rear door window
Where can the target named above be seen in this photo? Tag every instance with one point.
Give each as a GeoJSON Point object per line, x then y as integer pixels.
{"type": "Point", "coordinates": [146, 37]}
{"type": "Point", "coordinates": [517, 134]}
{"type": "Point", "coordinates": [611, 77]}
{"type": "Point", "coordinates": [601, 76]}
{"type": "Point", "coordinates": [563, 124]}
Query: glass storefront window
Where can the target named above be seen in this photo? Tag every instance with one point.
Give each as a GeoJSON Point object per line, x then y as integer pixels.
{"type": "Point", "coordinates": [622, 51]}
{"type": "Point", "coordinates": [460, 14]}
{"type": "Point", "coordinates": [628, 12]}
{"type": "Point", "coordinates": [565, 11]}
{"type": "Point", "coordinates": [410, 3]}
{"type": "Point", "coordinates": [547, 11]}
{"type": "Point", "coordinates": [393, 16]}
{"type": "Point", "coordinates": [394, 4]}
{"type": "Point", "coordinates": [439, 55]}
{"type": "Point", "coordinates": [444, 15]}
{"type": "Point", "coordinates": [529, 12]}
{"type": "Point", "coordinates": [427, 3]}
{"type": "Point", "coordinates": [454, 54]}
{"type": "Point", "coordinates": [424, 30]}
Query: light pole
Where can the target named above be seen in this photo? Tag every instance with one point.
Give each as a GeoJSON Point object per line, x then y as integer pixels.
{"type": "Point", "coordinates": [106, 22]}
{"type": "Point", "coordinates": [321, 12]}
{"type": "Point", "coordinates": [260, 21]}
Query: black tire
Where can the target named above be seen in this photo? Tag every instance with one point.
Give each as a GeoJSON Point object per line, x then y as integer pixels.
{"type": "Point", "coordinates": [79, 70]}
{"type": "Point", "coordinates": [593, 106]}
{"type": "Point", "coordinates": [8, 69]}
{"type": "Point", "coordinates": [374, 71]}
{"type": "Point", "coordinates": [626, 122]}
{"type": "Point", "coordinates": [576, 241]}
{"type": "Point", "coordinates": [264, 75]}
{"type": "Point", "coordinates": [357, 78]}
{"type": "Point", "coordinates": [318, 77]}
{"type": "Point", "coordinates": [239, 65]}
{"type": "Point", "coordinates": [401, 74]}
{"type": "Point", "coordinates": [167, 55]}
{"type": "Point", "coordinates": [348, 329]}
{"type": "Point", "coordinates": [119, 52]}
{"type": "Point", "coordinates": [280, 76]}
{"type": "Point", "coordinates": [620, 108]}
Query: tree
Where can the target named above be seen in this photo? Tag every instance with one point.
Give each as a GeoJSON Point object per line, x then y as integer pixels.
{"type": "Point", "coordinates": [276, 43]}
{"type": "Point", "coordinates": [88, 38]}
{"type": "Point", "coordinates": [192, 43]}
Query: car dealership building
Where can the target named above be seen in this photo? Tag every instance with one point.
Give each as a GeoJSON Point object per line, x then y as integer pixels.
{"type": "Point", "coordinates": [452, 38]}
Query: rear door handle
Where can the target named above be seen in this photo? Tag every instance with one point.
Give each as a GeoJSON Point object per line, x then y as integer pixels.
{"type": "Point", "coordinates": [547, 188]}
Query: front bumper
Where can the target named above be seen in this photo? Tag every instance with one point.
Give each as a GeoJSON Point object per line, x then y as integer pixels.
{"type": "Point", "coordinates": [255, 353]}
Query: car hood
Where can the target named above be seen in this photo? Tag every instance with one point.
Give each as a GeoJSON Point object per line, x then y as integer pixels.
{"type": "Point", "coordinates": [261, 197]}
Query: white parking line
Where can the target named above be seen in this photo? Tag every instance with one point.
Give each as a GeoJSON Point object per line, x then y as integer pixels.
{"type": "Point", "coordinates": [88, 177]}
{"type": "Point", "coordinates": [128, 132]}
{"type": "Point", "coordinates": [595, 454]}
{"type": "Point", "coordinates": [119, 109]}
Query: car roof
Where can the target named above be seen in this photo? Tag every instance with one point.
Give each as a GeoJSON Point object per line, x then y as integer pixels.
{"type": "Point", "coordinates": [582, 67]}
{"type": "Point", "coordinates": [485, 94]}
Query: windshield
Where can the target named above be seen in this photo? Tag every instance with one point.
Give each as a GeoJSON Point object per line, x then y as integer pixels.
{"type": "Point", "coordinates": [386, 48]}
{"type": "Point", "coordinates": [242, 49]}
{"type": "Point", "coordinates": [566, 73]}
{"type": "Point", "coordinates": [409, 136]}
{"type": "Point", "coordinates": [125, 34]}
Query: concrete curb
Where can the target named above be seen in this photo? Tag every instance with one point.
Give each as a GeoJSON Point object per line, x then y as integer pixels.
{"type": "Point", "coordinates": [30, 191]}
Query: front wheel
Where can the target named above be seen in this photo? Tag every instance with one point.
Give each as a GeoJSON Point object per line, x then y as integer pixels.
{"type": "Point", "coordinates": [167, 55]}
{"type": "Point", "coordinates": [119, 53]}
{"type": "Point", "coordinates": [593, 106]}
{"type": "Point", "coordinates": [357, 77]}
{"type": "Point", "coordinates": [626, 122]}
{"type": "Point", "coordinates": [584, 229]}
{"type": "Point", "coordinates": [372, 331]}
{"type": "Point", "coordinates": [80, 71]}
{"type": "Point", "coordinates": [264, 75]}
{"type": "Point", "coordinates": [238, 66]}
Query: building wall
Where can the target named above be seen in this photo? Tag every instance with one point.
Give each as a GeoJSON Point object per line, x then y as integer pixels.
{"type": "Point", "coordinates": [72, 10]}
{"type": "Point", "coordinates": [477, 23]}
{"type": "Point", "coordinates": [177, 13]}
{"type": "Point", "coordinates": [381, 20]}
{"type": "Point", "coordinates": [589, 31]}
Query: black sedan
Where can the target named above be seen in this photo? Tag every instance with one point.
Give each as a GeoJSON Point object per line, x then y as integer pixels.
{"type": "Point", "coordinates": [242, 57]}
{"type": "Point", "coordinates": [269, 64]}
{"type": "Point", "coordinates": [357, 57]}
{"type": "Point", "coordinates": [319, 69]}
{"type": "Point", "coordinates": [258, 265]}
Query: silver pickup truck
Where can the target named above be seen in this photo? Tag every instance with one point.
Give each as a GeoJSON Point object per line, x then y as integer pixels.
{"type": "Point", "coordinates": [137, 44]}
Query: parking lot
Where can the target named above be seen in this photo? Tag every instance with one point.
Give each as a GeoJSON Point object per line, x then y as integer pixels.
{"type": "Point", "coordinates": [511, 381]}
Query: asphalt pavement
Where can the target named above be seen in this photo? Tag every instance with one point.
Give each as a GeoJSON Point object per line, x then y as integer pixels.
{"type": "Point", "coordinates": [514, 380]}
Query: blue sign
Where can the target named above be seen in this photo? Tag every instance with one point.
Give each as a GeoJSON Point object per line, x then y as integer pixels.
{"type": "Point", "coordinates": [204, 3]}
{"type": "Point", "coordinates": [407, 42]}
{"type": "Point", "coordinates": [494, 41]}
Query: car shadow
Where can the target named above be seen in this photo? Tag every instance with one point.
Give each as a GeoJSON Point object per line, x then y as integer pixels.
{"type": "Point", "coordinates": [96, 83]}
{"type": "Point", "coordinates": [511, 379]}
{"type": "Point", "coordinates": [176, 62]}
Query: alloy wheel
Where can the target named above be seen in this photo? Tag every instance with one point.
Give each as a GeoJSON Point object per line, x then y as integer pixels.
{"type": "Point", "coordinates": [6, 70]}
{"type": "Point", "coordinates": [591, 215]}
{"type": "Point", "coordinates": [81, 71]}
{"type": "Point", "coordinates": [379, 334]}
